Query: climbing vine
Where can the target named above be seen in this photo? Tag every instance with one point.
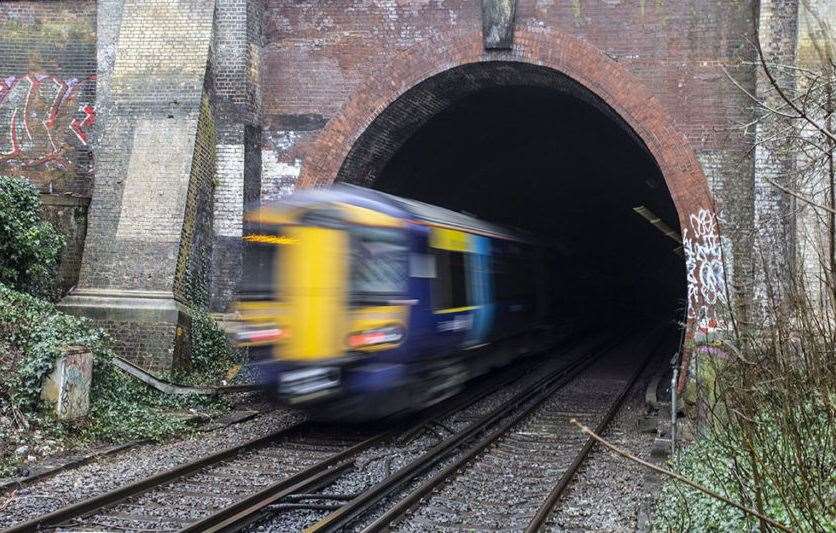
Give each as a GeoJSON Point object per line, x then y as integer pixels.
{"type": "Point", "coordinates": [29, 246]}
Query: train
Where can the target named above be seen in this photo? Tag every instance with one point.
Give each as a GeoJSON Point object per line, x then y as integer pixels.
{"type": "Point", "coordinates": [356, 304]}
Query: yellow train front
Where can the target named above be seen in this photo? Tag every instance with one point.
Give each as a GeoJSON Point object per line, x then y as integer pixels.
{"type": "Point", "coordinates": [357, 304]}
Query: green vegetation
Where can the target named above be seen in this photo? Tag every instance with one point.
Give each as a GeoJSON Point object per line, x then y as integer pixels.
{"type": "Point", "coordinates": [29, 246]}
{"type": "Point", "coordinates": [212, 355]}
{"type": "Point", "coordinates": [34, 334]}
{"type": "Point", "coordinates": [782, 483]}
{"type": "Point", "coordinates": [767, 413]}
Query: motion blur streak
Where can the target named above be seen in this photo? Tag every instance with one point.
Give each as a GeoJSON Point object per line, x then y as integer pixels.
{"type": "Point", "coordinates": [358, 304]}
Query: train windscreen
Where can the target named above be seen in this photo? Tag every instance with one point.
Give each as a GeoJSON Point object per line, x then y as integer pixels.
{"type": "Point", "coordinates": [379, 263]}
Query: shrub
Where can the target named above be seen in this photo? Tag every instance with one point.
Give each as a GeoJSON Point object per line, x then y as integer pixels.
{"type": "Point", "coordinates": [789, 483]}
{"type": "Point", "coordinates": [29, 246]}
{"type": "Point", "coordinates": [37, 333]}
{"type": "Point", "coordinates": [212, 355]}
{"type": "Point", "coordinates": [33, 334]}
{"type": "Point", "coordinates": [767, 415]}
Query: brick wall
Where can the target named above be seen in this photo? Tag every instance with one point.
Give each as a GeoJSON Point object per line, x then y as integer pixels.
{"type": "Point", "coordinates": [237, 88]}
{"type": "Point", "coordinates": [323, 62]}
{"type": "Point", "coordinates": [47, 93]}
{"type": "Point", "coordinates": [193, 265]}
{"type": "Point", "coordinates": [154, 97]}
{"type": "Point", "coordinates": [148, 243]}
{"type": "Point", "coordinates": [47, 111]}
{"type": "Point", "coordinates": [774, 220]}
{"type": "Point", "coordinates": [239, 92]}
{"type": "Point", "coordinates": [317, 54]}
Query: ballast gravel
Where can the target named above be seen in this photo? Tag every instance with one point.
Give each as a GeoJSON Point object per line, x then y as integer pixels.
{"type": "Point", "coordinates": [609, 492]}
{"type": "Point", "coordinates": [108, 473]}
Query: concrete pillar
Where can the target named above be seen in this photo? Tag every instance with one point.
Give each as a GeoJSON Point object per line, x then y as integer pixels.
{"type": "Point", "coordinates": [147, 253]}
{"type": "Point", "coordinates": [68, 386]}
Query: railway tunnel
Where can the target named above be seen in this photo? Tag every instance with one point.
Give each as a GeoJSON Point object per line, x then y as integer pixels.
{"type": "Point", "coordinates": [528, 147]}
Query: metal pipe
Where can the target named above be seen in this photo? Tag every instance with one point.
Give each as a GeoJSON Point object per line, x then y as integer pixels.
{"type": "Point", "coordinates": [674, 407]}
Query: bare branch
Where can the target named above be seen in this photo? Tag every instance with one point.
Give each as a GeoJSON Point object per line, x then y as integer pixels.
{"type": "Point", "coordinates": [755, 98]}
{"type": "Point", "coordinates": [680, 478]}
{"type": "Point", "coordinates": [783, 95]}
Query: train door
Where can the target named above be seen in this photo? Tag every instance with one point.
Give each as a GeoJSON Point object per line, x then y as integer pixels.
{"type": "Point", "coordinates": [452, 307]}
{"type": "Point", "coordinates": [480, 290]}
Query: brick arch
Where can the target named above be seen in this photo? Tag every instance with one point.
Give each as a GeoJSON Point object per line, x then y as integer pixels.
{"type": "Point", "coordinates": [579, 61]}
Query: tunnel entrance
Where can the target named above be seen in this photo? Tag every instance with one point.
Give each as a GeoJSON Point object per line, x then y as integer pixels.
{"type": "Point", "coordinates": [527, 147]}
{"type": "Point", "coordinates": [508, 132]}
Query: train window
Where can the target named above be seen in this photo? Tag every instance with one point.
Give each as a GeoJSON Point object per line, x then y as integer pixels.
{"type": "Point", "coordinates": [379, 262]}
{"type": "Point", "coordinates": [449, 288]}
{"type": "Point", "coordinates": [421, 266]}
{"type": "Point", "coordinates": [259, 260]}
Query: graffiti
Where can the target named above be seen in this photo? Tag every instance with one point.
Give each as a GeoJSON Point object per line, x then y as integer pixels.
{"type": "Point", "coordinates": [704, 265]}
{"type": "Point", "coordinates": [44, 120]}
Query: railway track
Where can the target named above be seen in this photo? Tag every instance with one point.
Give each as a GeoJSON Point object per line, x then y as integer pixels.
{"type": "Point", "coordinates": [451, 456]}
{"type": "Point", "coordinates": [235, 486]}
{"type": "Point", "coordinates": [509, 483]}
{"type": "Point", "coordinates": [179, 496]}
{"type": "Point", "coordinates": [512, 455]}
{"type": "Point", "coordinates": [299, 469]}
{"type": "Point", "coordinates": [316, 493]}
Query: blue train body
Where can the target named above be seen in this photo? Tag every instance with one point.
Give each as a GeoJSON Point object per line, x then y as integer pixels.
{"type": "Point", "coordinates": [430, 299]}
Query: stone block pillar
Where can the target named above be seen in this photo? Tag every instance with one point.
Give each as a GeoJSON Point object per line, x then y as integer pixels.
{"type": "Point", "coordinates": [148, 249]}
{"type": "Point", "coordinates": [236, 67]}
{"type": "Point", "coordinates": [774, 210]}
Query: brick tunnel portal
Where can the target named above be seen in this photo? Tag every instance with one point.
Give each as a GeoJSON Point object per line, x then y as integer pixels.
{"type": "Point", "coordinates": [527, 147]}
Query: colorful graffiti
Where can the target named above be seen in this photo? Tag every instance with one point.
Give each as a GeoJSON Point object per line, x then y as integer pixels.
{"type": "Point", "coordinates": [45, 121]}
{"type": "Point", "coordinates": [703, 249]}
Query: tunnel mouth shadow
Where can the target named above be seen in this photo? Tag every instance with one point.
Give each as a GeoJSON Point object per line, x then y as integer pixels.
{"type": "Point", "coordinates": [528, 147]}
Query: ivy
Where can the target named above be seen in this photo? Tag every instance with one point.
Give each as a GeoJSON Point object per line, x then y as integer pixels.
{"type": "Point", "coordinates": [29, 246]}
{"type": "Point", "coordinates": [33, 335]}
{"type": "Point", "coordinates": [38, 331]}
{"type": "Point", "coordinates": [710, 462]}
{"type": "Point", "coordinates": [212, 354]}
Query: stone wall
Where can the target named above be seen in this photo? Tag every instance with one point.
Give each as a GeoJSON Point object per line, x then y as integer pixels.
{"type": "Point", "coordinates": [47, 110]}
{"type": "Point", "coordinates": [148, 243]}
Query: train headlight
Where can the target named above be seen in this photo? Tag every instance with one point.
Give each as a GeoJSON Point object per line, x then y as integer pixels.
{"type": "Point", "coordinates": [377, 336]}
{"type": "Point", "coordinates": [261, 333]}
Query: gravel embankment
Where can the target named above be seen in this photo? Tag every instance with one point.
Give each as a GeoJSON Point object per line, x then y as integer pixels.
{"type": "Point", "coordinates": [131, 465]}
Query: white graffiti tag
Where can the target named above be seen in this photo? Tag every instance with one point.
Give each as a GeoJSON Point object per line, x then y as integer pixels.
{"type": "Point", "coordinates": [704, 263]}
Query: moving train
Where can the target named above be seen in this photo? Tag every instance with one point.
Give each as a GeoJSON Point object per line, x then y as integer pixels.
{"type": "Point", "coordinates": [357, 304]}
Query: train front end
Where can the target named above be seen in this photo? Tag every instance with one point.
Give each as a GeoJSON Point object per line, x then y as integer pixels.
{"type": "Point", "coordinates": [325, 306]}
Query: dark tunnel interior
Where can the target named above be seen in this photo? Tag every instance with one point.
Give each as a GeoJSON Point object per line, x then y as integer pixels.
{"type": "Point", "coordinates": [556, 163]}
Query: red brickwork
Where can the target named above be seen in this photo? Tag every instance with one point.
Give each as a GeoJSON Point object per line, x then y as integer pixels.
{"type": "Point", "coordinates": [317, 55]}
{"type": "Point", "coordinates": [329, 70]}
{"type": "Point", "coordinates": [552, 49]}
{"type": "Point", "coordinates": [47, 93]}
